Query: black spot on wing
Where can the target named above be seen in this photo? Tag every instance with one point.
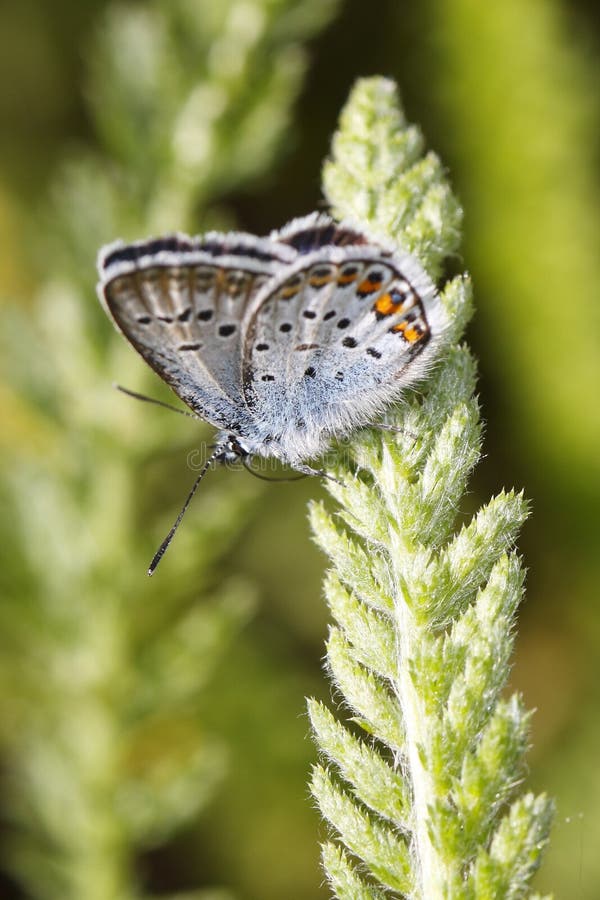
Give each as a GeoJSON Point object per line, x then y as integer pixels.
{"type": "Point", "coordinates": [133, 252]}
{"type": "Point", "coordinates": [124, 254]}
{"type": "Point", "coordinates": [218, 248]}
{"type": "Point", "coordinates": [375, 277]}
{"type": "Point", "coordinates": [183, 244]}
{"type": "Point", "coordinates": [307, 239]}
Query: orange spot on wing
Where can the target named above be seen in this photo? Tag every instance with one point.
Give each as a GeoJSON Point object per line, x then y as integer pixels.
{"type": "Point", "coordinates": [411, 333]}
{"type": "Point", "coordinates": [347, 279]}
{"type": "Point", "coordinates": [288, 292]}
{"type": "Point", "coordinates": [385, 305]}
{"type": "Point", "coordinates": [319, 280]}
{"type": "Point", "coordinates": [368, 287]}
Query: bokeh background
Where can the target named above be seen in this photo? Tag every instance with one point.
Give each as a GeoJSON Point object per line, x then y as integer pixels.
{"type": "Point", "coordinates": [153, 736]}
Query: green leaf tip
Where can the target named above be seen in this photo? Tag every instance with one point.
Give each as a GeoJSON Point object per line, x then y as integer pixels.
{"type": "Point", "coordinates": [384, 850]}
{"type": "Point", "coordinates": [377, 175]}
{"type": "Point", "coordinates": [421, 785]}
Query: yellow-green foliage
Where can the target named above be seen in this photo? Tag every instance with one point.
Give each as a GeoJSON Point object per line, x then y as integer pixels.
{"type": "Point", "coordinates": [102, 673]}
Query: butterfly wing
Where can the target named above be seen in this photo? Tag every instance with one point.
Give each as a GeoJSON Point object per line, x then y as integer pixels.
{"type": "Point", "coordinates": [180, 302]}
{"type": "Point", "coordinates": [333, 339]}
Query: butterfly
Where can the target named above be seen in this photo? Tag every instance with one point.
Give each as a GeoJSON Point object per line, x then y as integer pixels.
{"type": "Point", "coordinates": [281, 342]}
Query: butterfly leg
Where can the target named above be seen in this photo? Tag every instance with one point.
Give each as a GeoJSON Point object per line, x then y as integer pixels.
{"type": "Point", "coordinates": [381, 426]}
{"type": "Point", "coordinates": [308, 470]}
{"type": "Point", "coordinates": [393, 429]}
{"type": "Point", "coordinates": [144, 399]}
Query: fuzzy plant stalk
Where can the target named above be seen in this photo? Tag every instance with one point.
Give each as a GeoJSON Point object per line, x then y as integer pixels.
{"type": "Point", "coordinates": [422, 786]}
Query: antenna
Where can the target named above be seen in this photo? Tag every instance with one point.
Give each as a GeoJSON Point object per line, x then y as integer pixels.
{"type": "Point", "coordinates": [163, 547]}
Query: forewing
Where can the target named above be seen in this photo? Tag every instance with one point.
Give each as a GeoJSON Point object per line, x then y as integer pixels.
{"type": "Point", "coordinates": [338, 335]}
{"type": "Point", "coordinates": [180, 302]}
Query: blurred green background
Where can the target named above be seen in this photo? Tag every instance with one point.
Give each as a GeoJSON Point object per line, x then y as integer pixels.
{"type": "Point", "coordinates": [153, 734]}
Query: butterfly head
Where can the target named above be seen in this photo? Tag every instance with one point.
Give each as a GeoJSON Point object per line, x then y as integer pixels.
{"type": "Point", "coordinates": [230, 448]}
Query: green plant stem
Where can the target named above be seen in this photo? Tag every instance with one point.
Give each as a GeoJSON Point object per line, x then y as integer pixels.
{"type": "Point", "coordinates": [424, 606]}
